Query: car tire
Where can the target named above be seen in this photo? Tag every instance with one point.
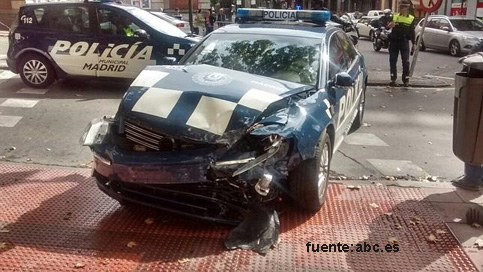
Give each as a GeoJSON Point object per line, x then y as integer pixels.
{"type": "Point", "coordinates": [307, 188]}
{"type": "Point", "coordinates": [454, 48]}
{"type": "Point", "coordinates": [360, 113]}
{"type": "Point", "coordinates": [36, 71]}
{"type": "Point", "coordinates": [371, 35]}
{"type": "Point", "coordinates": [422, 47]}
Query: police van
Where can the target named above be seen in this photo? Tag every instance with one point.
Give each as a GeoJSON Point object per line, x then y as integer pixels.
{"type": "Point", "coordinates": [49, 41]}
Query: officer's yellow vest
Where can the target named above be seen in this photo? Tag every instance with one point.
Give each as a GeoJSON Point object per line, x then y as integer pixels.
{"type": "Point", "coordinates": [404, 20]}
{"type": "Point", "coordinates": [129, 32]}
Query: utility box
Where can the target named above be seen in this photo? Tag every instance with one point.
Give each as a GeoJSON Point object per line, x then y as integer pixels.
{"type": "Point", "coordinates": [468, 111]}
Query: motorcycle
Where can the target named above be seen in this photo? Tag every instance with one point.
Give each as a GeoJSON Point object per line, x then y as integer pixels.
{"type": "Point", "coordinates": [381, 39]}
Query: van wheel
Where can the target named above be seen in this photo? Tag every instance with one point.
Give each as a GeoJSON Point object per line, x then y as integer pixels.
{"type": "Point", "coordinates": [36, 71]}
{"type": "Point", "coordinates": [310, 180]}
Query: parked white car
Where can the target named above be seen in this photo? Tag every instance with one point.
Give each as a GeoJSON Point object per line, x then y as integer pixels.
{"type": "Point", "coordinates": [365, 28]}
{"type": "Point", "coordinates": [375, 13]}
{"type": "Point", "coordinates": [457, 35]}
{"type": "Point", "coordinates": [183, 25]}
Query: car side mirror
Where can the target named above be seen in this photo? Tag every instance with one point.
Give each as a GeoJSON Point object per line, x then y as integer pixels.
{"type": "Point", "coordinates": [141, 33]}
{"type": "Point", "coordinates": [169, 61]}
{"type": "Point", "coordinates": [354, 39]}
{"type": "Point", "coordinates": [445, 28]}
{"type": "Point", "coordinates": [343, 79]}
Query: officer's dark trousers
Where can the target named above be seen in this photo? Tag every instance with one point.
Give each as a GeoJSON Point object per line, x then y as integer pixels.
{"type": "Point", "coordinates": [396, 46]}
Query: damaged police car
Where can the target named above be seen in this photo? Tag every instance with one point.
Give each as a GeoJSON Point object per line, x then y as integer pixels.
{"type": "Point", "coordinates": [252, 115]}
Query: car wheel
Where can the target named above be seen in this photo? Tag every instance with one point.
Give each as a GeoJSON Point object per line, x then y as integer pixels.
{"type": "Point", "coordinates": [454, 48]}
{"type": "Point", "coordinates": [310, 180]}
{"type": "Point", "coordinates": [371, 35]}
{"type": "Point", "coordinates": [360, 112]}
{"type": "Point", "coordinates": [36, 71]}
{"type": "Point", "coordinates": [422, 47]}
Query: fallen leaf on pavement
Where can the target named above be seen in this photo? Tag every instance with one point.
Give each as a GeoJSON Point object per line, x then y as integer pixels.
{"type": "Point", "coordinates": [392, 240]}
{"type": "Point", "coordinates": [149, 221]}
{"type": "Point", "coordinates": [184, 260]}
{"type": "Point", "coordinates": [476, 225]}
{"type": "Point", "coordinates": [3, 245]}
{"type": "Point", "coordinates": [79, 265]}
{"type": "Point", "coordinates": [382, 107]}
{"type": "Point", "coordinates": [398, 226]}
{"type": "Point", "coordinates": [479, 243]}
{"type": "Point", "coordinates": [457, 220]}
{"type": "Point", "coordinates": [388, 214]}
{"type": "Point", "coordinates": [415, 221]}
{"type": "Point", "coordinates": [378, 184]}
{"type": "Point", "coordinates": [353, 187]}
{"type": "Point", "coordinates": [430, 143]}
{"type": "Point", "coordinates": [11, 148]}
{"type": "Point", "coordinates": [131, 244]}
{"type": "Point", "coordinates": [29, 159]}
{"type": "Point", "coordinates": [374, 205]}
{"type": "Point", "coordinates": [390, 178]}
{"type": "Point", "coordinates": [366, 125]}
{"type": "Point", "coordinates": [48, 149]}
{"type": "Point", "coordinates": [342, 177]}
{"type": "Point", "coordinates": [438, 231]}
{"type": "Point", "coordinates": [364, 178]}
{"type": "Point", "coordinates": [431, 238]}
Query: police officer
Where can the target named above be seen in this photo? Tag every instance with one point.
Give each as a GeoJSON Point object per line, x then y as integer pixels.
{"type": "Point", "coordinates": [402, 26]}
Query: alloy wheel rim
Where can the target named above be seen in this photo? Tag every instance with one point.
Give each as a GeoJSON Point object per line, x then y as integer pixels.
{"type": "Point", "coordinates": [323, 170]}
{"type": "Point", "coordinates": [35, 72]}
{"type": "Point", "coordinates": [454, 49]}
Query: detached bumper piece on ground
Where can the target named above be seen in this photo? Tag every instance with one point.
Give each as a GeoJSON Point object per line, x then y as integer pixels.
{"type": "Point", "coordinates": [72, 223]}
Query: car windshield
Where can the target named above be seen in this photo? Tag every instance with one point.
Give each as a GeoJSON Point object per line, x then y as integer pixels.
{"type": "Point", "coordinates": [467, 25]}
{"type": "Point", "coordinates": [157, 23]}
{"type": "Point", "coordinates": [294, 59]}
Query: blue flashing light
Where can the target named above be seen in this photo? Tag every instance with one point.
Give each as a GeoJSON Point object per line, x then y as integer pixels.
{"type": "Point", "coordinates": [315, 16]}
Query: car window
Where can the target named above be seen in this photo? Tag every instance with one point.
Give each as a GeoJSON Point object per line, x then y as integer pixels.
{"type": "Point", "coordinates": [157, 23]}
{"type": "Point", "coordinates": [294, 59]}
{"type": "Point", "coordinates": [444, 23]}
{"type": "Point", "coordinates": [112, 22]}
{"type": "Point", "coordinates": [337, 57]}
{"type": "Point", "coordinates": [348, 46]}
{"type": "Point", "coordinates": [66, 18]}
{"type": "Point", "coordinates": [39, 14]}
{"type": "Point", "coordinates": [433, 23]}
{"type": "Point", "coordinates": [467, 25]}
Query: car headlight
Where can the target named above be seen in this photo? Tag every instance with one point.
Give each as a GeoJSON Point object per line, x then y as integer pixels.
{"type": "Point", "coordinates": [95, 131]}
{"type": "Point", "coordinates": [471, 39]}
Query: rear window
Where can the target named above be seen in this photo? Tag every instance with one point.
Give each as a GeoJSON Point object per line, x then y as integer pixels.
{"type": "Point", "coordinates": [467, 25]}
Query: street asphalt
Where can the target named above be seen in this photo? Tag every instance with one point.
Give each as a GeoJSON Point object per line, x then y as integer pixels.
{"type": "Point", "coordinates": [408, 131]}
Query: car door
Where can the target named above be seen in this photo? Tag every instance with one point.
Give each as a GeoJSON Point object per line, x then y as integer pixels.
{"type": "Point", "coordinates": [67, 33]}
{"type": "Point", "coordinates": [430, 32]}
{"type": "Point", "coordinates": [363, 27]}
{"type": "Point", "coordinates": [442, 36]}
{"type": "Point", "coordinates": [339, 61]}
{"type": "Point", "coordinates": [122, 53]}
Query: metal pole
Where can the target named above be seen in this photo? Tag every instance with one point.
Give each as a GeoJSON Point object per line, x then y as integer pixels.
{"type": "Point", "coordinates": [190, 14]}
{"type": "Point", "coordinates": [418, 44]}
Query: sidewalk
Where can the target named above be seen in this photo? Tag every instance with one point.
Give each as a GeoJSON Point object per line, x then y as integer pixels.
{"type": "Point", "coordinates": [381, 78]}
{"type": "Point", "coordinates": [56, 218]}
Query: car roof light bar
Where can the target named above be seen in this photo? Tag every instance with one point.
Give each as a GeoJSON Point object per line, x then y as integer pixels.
{"type": "Point", "coordinates": [314, 16]}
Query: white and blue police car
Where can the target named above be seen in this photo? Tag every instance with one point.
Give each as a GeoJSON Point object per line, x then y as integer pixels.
{"type": "Point", "coordinates": [95, 39]}
{"type": "Point", "coordinates": [252, 113]}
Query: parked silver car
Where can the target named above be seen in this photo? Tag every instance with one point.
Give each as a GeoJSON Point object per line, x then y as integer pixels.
{"type": "Point", "coordinates": [365, 27]}
{"type": "Point", "coordinates": [457, 35]}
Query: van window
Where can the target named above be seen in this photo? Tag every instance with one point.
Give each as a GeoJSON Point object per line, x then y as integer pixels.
{"type": "Point", "coordinates": [39, 14]}
{"type": "Point", "coordinates": [71, 19]}
{"type": "Point", "coordinates": [114, 23]}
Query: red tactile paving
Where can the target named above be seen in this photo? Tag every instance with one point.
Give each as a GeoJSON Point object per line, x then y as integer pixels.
{"type": "Point", "coordinates": [53, 218]}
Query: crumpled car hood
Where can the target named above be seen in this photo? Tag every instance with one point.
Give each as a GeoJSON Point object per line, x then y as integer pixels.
{"type": "Point", "coordinates": [202, 103]}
